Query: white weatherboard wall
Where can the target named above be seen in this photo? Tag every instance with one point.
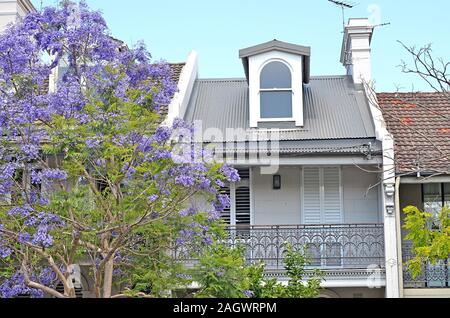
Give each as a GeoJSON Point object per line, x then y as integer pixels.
{"type": "Point", "coordinates": [256, 64]}
{"type": "Point", "coordinates": [283, 207]}
{"type": "Point", "coordinates": [359, 203]}
{"type": "Point", "coordinates": [276, 207]}
{"type": "Point", "coordinates": [11, 10]}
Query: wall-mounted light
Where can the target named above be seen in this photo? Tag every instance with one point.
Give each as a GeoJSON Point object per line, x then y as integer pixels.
{"type": "Point", "coordinates": [277, 182]}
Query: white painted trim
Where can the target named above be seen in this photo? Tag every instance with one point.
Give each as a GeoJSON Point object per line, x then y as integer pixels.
{"type": "Point", "coordinates": [341, 189]}
{"type": "Point", "coordinates": [302, 195]}
{"type": "Point", "coordinates": [291, 89]}
{"type": "Point", "coordinates": [350, 283]}
{"type": "Point", "coordinates": [256, 64]}
{"type": "Point", "coordinates": [388, 182]}
{"type": "Point", "coordinates": [312, 160]}
{"type": "Point", "coordinates": [180, 101]}
{"type": "Point", "coordinates": [233, 204]}
{"type": "Point", "coordinates": [275, 120]}
{"type": "Point", "coordinates": [414, 180]}
{"type": "Point", "coordinates": [343, 283]}
{"type": "Point", "coordinates": [252, 198]}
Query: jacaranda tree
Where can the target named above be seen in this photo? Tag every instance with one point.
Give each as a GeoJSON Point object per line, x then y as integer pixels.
{"type": "Point", "coordinates": [88, 175]}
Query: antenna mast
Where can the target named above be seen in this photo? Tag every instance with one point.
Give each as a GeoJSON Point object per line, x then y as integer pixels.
{"type": "Point", "coordinates": [343, 5]}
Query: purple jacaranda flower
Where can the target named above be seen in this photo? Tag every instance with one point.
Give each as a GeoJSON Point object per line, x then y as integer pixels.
{"type": "Point", "coordinates": [230, 173]}
{"type": "Point", "coordinates": [152, 198]}
{"type": "Point", "coordinates": [92, 143]}
{"type": "Point", "coordinates": [249, 293]}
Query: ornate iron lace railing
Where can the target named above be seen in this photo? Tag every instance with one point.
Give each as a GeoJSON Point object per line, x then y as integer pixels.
{"type": "Point", "coordinates": [341, 246]}
{"type": "Point", "coordinates": [432, 276]}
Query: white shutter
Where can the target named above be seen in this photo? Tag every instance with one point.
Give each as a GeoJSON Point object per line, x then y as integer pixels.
{"type": "Point", "coordinates": [311, 196]}
{"type": "Point", "coordinates": [332, 195]}
{"type": "Point", "coordinates": [242, 205]}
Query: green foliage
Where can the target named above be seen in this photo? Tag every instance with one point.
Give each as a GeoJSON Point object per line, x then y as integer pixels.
{"type": "Point", "coordinates": [429, 245]}
{"type": "Point", "coordinates": [223, 273]}
{"type": "Point", "coordinates": [298, 286]}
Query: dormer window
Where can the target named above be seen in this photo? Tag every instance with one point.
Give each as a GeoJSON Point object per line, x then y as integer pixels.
{"type": "Point", "coordinates": [276, 91]}
{"type": "Point", "coordinates": [276, 72]}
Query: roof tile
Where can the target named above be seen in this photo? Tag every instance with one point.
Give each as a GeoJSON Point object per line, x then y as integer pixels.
{"type": "Point", "coordinates": [420, 124]}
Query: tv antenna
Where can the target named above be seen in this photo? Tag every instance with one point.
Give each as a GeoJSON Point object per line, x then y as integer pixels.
{"type": "Point", "coordinates": [382, 24]}
{"type": "Point", "coordinates": [343, 4]}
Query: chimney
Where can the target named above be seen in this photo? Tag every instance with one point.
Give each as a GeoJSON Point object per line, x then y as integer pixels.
{"type": "Point", "coordinates": [356, 51]}
{"type": "Point", "coordinates": [11, 10]}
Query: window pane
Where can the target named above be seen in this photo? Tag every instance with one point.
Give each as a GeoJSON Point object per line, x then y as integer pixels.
{"type": "Point", "coordinates": [276, 104]}
{"type": "Point", "coordinates": [276, 75]}
{"type": "Point", "coordinates": [432, 197]}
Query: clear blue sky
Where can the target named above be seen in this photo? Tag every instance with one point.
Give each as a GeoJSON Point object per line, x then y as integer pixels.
{"type": "Point", "coordinates": [218, 29]}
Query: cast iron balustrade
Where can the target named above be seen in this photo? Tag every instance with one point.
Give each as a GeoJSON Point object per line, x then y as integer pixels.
{"type": "Point", "coordinates": [432, 276]}
{"type": "Point", "coordinates": [334, 247]}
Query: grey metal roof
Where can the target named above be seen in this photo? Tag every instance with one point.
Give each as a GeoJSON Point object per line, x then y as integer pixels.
{"type": "Point", "coordinates": [287, 147]}
{"type": "Point", "coordinates": [333, 109]}
{"type": "Point", "coordinates": [276, 45]}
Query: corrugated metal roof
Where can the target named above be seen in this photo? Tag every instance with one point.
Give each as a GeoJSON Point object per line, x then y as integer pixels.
{"type": "Point", "coordinates": [333, 109]}
{"type": "Point", "coordinates": [342, 146]}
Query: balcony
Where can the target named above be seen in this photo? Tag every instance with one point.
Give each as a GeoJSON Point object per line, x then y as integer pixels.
{"type": "Point", "coordinates": [343, 251]}
{"type": "Point", "coordinates": [432, 276]}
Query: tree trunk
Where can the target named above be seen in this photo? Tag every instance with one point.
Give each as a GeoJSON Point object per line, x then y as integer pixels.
{"type": "Point", "coordinates": [108, 278]}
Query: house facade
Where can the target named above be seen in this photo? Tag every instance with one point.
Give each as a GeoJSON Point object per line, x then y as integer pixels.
{"type": "Point", "coordinates": [315, 157]}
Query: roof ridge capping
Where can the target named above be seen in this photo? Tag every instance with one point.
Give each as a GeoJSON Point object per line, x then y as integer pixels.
{"type": "Point", "coordinates": [275, 45]}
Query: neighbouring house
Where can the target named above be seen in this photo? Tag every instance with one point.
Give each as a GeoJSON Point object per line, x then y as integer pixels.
{"type": "Point", "coordinates": [420, 123]}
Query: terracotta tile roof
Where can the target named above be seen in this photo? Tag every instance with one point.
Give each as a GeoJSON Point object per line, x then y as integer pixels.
{"type": "Point", "coordinates": [420, 124]}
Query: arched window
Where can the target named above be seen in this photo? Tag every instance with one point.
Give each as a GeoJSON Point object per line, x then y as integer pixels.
{"type": "Point", "coordinates": [276, 91]}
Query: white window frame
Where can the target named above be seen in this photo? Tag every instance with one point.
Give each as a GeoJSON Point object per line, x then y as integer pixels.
{"type": "Point", "coordinates": [276, 119]}
{"type": "Point", "coordinates": [256, 64]}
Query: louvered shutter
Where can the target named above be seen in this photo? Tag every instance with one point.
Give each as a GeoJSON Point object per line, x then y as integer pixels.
{"type": "Point", "coordinates": [311, 196]}
{"type": "Point", "coordinates": [242, 205]}
{"type": "Point", "coordinates": [226, 213]}
{"type": "Point", "coordinates": [244, 174]}
{"type": "Point", "coordinates": [331, 196]}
